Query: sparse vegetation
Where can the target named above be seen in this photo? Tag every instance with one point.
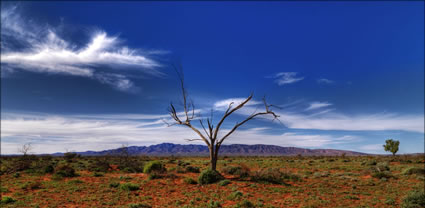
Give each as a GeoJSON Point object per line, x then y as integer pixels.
{"type": "Point", "coordinates": [415, 199]}
{"type": "Point", "coordinates": [307, 181]}
{"type": "Point", "coordinates": [154, 167]}
{"type": "Point", "coordinates": [129, 187]}
{"type": "Point", "coordinates": [209, 176]}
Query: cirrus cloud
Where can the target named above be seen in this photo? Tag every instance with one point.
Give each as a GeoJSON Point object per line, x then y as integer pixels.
{"type": "Point", "coordinates": [38, 48]}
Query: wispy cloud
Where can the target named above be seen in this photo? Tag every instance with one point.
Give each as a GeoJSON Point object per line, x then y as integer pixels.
{"type": "Point", "coordinates": [325, 81]}
{"type": "Point", "coordinates": [283, 78]}
{"type": "Point", "coordinates": [338, 121]}
{"type": "Point", "coordinates": [39, 48]}
{"type": "Point", "coordinates": [327, 119]}
{"type": "Point", "coordinates": [224, 104]}
{"type": "Point", "coordinates": [51, 133]}
{"type": "Point", "coordinates": [317, 105]}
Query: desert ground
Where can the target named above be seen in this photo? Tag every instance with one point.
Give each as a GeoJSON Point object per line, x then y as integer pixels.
{"type": "Point", "coordinates": [296, 181]}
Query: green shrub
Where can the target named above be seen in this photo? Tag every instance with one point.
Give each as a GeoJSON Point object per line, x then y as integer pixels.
{"type": "Point", "coordinates": [69, 156]}
{"type": "Point", "coordinates": [76, 182]}
{"type": "Point", "coordinates": [190, 181]}
{"type": "Point", "coordinates": [139, 205]}
{"type": "Point", "coordinates": [390, 201]}
{"type": "Point", "coordinates": [224, 182]}
{"type": "Point", "coordinates": [192, 169]}
{"type": "Point", "coordinates": [131, 166]}
{"type": "Point", "coordinates": [415, 199]}
{"type": "Point", "coordinates": [235, 195]}
{"type": "Point", "coordinates": [413, 170]}
{"type": "Point", "coordinates": [321, 174]}
{"type": "Point", "coordinates": [99, 165]}
{"type": "Point", "coordinates": [7, 200]}
{"type": "Point", "coordinates": [382, 166]}
{"type": "Point", "coordinates": [126, 178]}
{"type": "Point", "coordinates": [214, 204]}
{"type": "Point", "coordinates": [65, 171]}
{"type": "Point", "coordinates": [114, 185]}
{"type": "Point", "coordinates": [154, 176]}
{"type": "Point", "coordinates": [31, 185]}
{"type": "Point", "coordinates": [245, 204]}
{"type": "Point", "coordinates": [130, 187]}
{"type": "Point", "coordinates": [381, 171]}
{"type": "Point", "coordinates": [154, 166]}
{"type": "Point", "coordinates": [209, 176]}
{"type": "Point", "coordinates": [273, 175]}
{"type": "Point", "coordinates": [97, 174]}
{"type": "Point", "coordinates": [371, 163]}
{"type": "Point", "coordinates": [241, 171]}
{"type": "Point", "coordinates": [381, 175]}
{"type": "Point", "coordinates": [48, 169]}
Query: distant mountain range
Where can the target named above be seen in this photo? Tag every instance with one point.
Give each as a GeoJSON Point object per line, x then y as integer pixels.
{"type": "Point", "coordinates": [168, 149]}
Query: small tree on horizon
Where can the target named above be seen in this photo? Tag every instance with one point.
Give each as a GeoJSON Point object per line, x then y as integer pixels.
{"type": "Point", "coordinates": [25, 149]}
{"type": "Point", "coordinates": [391, 146]}
{"type": "Point", "coordinates": [210, 136]}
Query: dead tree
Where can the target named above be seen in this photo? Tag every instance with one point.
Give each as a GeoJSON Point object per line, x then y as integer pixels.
{"type": "Point", "coordinates": [210, 134]}
{"type": "Point", "coordinates": [25, 149]}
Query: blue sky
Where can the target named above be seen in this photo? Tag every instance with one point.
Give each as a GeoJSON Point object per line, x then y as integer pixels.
{"type": "Point", "coordinates": [90, 76]}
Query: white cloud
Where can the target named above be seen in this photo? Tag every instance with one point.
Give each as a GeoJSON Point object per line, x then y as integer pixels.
{"type": "Point", "coordinates": [325, 81]}
{"type": "Point", "coordinates": [52, 133]}
{"type": "Point", "coordinates": [43, 51]}
{"type": "Point", "coordinates": [283, 78]}
{"type": "Point", "coordinates": [317, 105]}
{"type": "Point", "coordinates": [336, 121]}
{"type": "Point", "coordinates": [224, 104]}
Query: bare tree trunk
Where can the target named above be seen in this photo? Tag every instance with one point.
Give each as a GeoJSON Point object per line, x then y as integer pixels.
{"type": "Point", "coordinates": [213, 161]}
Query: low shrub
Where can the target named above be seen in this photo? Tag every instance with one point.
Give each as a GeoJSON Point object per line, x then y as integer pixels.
{"type": "Point", "coordinates": [241, 171]}
{"type": "Point", "coordinates": [321, 174]}
{"type": "Point", "coordinates": [114, 185]}
{"type": "Point", "coordinates": [224, 182]}
{"type": "Point", "coordinates": [381, 175]}
{"type": "Point", "coordinates": [69, 156]}
{"type": "Point", "coordinates": [139, 205]}
{"type": "Point", "coordinates": [413, 170]}
{"type": "Point", "coordinates": [7, 200]}
{"type": "Point", "coordinates": [245, 204]}
{"type": "Point", "coordinates": [273, 175]}
{"type": "Point", "coordinates": [371, 163]}
{"type": "Point", "coordinates": [99, 165]}
{"type": "Point", "coordinates": [153, 176]}
{"type": "Point", "coordinates": [192, 169]}
{"type": "Point", "coordinates": [190, 181]}
{"type": "Point", "coordinates": [16, 175]}
{"type": "Point", "coordinates": [131, 166]}
{"type": "Point", "coordinates": [48, 169]}
{"type": "Point", "coordinates": [382, 166]}
{"type": "Point", "coordinates": [31, 185]}
{"type": "Point", "coordinates": [65, 171]}
{"type": "Point", "coordinates": [129, 187]}
{"type": "Point", "coordinates": [76, 182]}
{"type": "Point", "coordinates": [209, 176]}
{"type": "Point", "coordinates": [97, 174]}
{"type": "Point", "coordinates": [154, 166]}
{"type": "Point", "coordinates": [235, 195]}
{"type": "Point", "coordinates": [415, 199]}
{"type": "Point", "coordinates": [214, 204]}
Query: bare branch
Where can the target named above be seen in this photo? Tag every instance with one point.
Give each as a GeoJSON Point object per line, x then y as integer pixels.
{"type": "Point", "coordinates": [228, 113]}
{"type": "Point", "coordinates": [252, 116]}
{"type": "Point", "coordinates": [203, 127]}
{"type": "Point", "coordinates": [25, 149]}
